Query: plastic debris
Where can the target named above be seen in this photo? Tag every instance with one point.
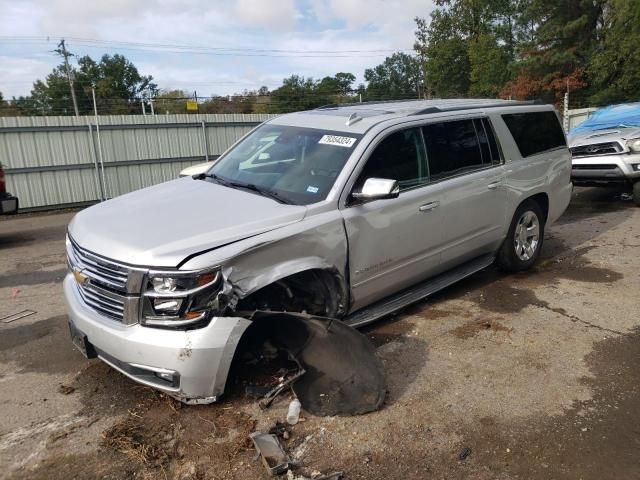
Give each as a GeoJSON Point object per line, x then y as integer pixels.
{"type": "Point", "coordinates": [293, 414]}
{"type": "Point", "coordinates": [273, 456]}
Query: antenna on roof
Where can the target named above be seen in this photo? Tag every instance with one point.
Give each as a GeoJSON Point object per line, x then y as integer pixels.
{"type": "Point", "coordinates": [353, 118]}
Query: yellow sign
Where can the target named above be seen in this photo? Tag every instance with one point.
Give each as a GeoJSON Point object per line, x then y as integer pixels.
{"type": "Point", "coordinates": [192, 105]}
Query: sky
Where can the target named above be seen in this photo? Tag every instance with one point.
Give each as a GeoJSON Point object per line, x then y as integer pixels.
{"type": "Point", "coordinates": [232, 44]}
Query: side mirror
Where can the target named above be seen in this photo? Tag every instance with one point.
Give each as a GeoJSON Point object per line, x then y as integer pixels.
{"type": "Point", "coordinates": [378, 189]}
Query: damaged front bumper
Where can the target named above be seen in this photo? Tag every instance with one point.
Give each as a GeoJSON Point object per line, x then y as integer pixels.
{"type": "Point", "coordinates": [190, 365]}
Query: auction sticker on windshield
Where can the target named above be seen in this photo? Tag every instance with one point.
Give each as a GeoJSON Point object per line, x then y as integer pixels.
{"type": "Point", "coordinates": [337, 140]}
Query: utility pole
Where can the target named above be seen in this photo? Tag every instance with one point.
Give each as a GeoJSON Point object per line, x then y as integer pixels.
{"type": "Point", "coordinates": [62, 51]}
{"type": "Point", "coordinates": [95, 112]}
{"type": "Point", "coordinates": [565, 113]}
{"type": "Point", "coordinates": [153, 112]}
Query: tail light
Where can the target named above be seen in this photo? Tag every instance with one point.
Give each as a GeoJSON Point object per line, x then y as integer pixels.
{"type": "Point", "coordinates": [3, 184]}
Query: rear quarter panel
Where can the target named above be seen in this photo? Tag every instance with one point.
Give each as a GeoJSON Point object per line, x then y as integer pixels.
{"type": "Point", "coordinates": [547, 172]}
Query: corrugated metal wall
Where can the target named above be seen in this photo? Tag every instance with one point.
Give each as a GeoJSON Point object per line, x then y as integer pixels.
{"type": "Point", "coordinates": [55, 161]}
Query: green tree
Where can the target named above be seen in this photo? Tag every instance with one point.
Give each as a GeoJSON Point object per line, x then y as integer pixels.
{"type": "Point", "coordinates": [119, 85]}
{"type": "Point", "coordinates": [463, 44]}
{"type": "Point", "coordinates": [614, 68]}
{"type": "Point", "coordinates": [557, 39]}
{"type": "Point", "coordinates": [399, 76]}
{"type": "Point", "coordinates": [489, 66]}
{"type": "Point", "coordinates": [300, 93]}
{"type": "Point", "coordinates": [119, 88]}
{"type": "Point", "coordinates": [170, 101]}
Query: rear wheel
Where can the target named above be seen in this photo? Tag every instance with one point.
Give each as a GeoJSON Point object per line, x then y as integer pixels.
{"type": "Point", "coordinates": [522, 246]}
{"type": "Point", "coordinates": [636, 193]}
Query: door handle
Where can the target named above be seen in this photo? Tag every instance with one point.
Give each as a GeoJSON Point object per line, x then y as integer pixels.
{"type": "Point", "coordinates": [427, 207]}
{"type": "Point", "coordinates": [495, 184]}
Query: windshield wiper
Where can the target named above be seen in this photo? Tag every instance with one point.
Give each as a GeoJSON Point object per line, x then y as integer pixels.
{"type": "Point", "coordinates": [260, 191]}
{"type": "Point", "coordinates": [249, 186]}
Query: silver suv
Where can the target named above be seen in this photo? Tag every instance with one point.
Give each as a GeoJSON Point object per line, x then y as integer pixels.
{"type": "Point", "coordinates": [346, 211]}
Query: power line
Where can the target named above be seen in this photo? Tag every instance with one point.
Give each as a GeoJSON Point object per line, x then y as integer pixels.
{"type": "Point", "coordinates": [217, 51]}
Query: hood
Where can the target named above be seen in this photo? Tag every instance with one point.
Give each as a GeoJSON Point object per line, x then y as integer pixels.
{"type": "Point", "coordinates": [602, 136]}
{"type": "Point", "coordinates": [162, 225]}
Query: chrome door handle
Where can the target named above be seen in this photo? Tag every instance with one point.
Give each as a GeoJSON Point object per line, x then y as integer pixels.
{"type": "Point", "coordinates": [495, 184]}
{"type": "Point", "coordinates": [427, 207]}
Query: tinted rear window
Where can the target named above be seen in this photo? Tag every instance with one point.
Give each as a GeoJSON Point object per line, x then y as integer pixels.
{"type": "Point", "coordinates": [452, 148]}
{"type": "Point", "coordinates": [535, 132]}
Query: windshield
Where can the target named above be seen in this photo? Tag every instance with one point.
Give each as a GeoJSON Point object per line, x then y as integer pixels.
{"type": "Point", "coordinates": [297, 165]}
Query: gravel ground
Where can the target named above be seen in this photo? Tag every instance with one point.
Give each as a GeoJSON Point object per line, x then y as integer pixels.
{"type": "Point", "coordinates": [534, 375]}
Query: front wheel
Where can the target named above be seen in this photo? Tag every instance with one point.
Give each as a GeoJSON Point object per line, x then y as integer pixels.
{"type": "Point", "coordinates": [522, 246]}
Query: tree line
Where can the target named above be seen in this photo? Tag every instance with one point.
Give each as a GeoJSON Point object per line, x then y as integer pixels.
{"type": "Point", "coordinates": [519, 49]}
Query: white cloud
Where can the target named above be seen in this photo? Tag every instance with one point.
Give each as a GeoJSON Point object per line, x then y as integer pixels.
{"type": "Point", "coordinates": [260, 24]}
{"type": "Point", "coordinates": [18, 74]}
{"type": "Point", "coordinates": [272, 14]}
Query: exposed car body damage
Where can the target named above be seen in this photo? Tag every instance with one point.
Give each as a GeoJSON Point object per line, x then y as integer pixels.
{"type": "Point", "coordinates": [250, 265]}
{"type": "Point", "coordinates": [343, 374]}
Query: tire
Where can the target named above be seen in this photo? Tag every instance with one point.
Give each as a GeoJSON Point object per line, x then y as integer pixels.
{"type": "Point", "coordinates": [521, 249]}
{"type": "Point", "coordinates": [636, 193]}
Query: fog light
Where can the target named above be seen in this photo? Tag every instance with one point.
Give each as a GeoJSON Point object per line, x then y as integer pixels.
{"type": "Point", "coordinates": [167, 306]}
{"type": "Point", "coordinates": [636, 167]}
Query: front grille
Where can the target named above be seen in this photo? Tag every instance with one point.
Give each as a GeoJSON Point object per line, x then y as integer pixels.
{"type": "Point", "coordinates": [596, 149]}
{"type": "Point", "coordinates": [105, 286]}
{"type": "Point", "coordinates": [595, 167]}
{"type": "Point", "coordinates": [101, 271]}
{"type": "Point", "coordinates": [102, 301]}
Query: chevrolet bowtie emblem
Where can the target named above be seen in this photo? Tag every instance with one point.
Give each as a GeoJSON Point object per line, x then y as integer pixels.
{"type": "Point", "coordinates": [80, 278]}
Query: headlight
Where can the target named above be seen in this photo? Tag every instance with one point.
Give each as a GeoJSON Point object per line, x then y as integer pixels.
{"type": "Point", "coordinates": [634, 145]}
{"type": "Point", "coordinates": [175, 299]}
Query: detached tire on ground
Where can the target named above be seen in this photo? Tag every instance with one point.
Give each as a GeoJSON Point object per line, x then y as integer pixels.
{"type": "Point", "coordinates": [523, 244]}
{"type": "Point", "coordinates": [636, 193]}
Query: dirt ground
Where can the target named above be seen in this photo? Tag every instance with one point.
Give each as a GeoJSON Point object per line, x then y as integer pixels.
{"type": "Point", "coordinates": [530, 376]}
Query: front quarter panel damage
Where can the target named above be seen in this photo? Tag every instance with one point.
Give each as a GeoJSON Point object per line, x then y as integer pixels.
{"type": "Point", "coordinates": [318, 242]}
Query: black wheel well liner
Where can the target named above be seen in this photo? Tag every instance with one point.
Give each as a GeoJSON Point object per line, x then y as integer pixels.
{"type": "Point", "coordinates": [326, 282]}
{"type": "Point", "coordinates": [542, 199]}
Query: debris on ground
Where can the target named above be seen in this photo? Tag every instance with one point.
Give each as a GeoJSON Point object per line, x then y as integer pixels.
{"type": "Point", "coordinates": [281, 430]}
{"type": "Point", "coordinates": [315, 476]}
{"type": "Point", "coordinates": [293, 414]}
{"type": "Point", "coordinates": [66, 389]}
{"type": "Point", "coordinates": [273, 456]}
{"type": "Point", "coordinates": [270, 396]}
{"type": "Point", "coordinates": [17, 316]}
{"type": "Point", "coordinates": [464, 453]}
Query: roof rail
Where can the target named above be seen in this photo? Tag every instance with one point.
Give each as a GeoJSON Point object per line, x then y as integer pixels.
{"type": "Point", "coordinates": [370, 102]}
{"type": "Point", "coordinates": [476, 107]}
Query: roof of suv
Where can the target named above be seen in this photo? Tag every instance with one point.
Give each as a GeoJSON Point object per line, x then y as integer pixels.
{"type": "Point", "coordinates": [359, 117]}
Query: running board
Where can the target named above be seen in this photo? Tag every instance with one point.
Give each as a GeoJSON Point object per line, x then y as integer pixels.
{"type": "Point", "coordinates": [418, 292]}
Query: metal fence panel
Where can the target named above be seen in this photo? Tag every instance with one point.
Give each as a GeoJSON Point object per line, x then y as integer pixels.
{"type": "Point", "coordinates": [53, 161]}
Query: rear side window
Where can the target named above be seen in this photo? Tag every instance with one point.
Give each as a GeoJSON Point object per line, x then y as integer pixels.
{"type": "Point", "coordinates": [399, 157]}
{"type": "Point", "coordinates": [454, 148]}
{"type": "Point", "coordinates": [488, 145]}
{"type": "Point", "coordinates": [535, 132]}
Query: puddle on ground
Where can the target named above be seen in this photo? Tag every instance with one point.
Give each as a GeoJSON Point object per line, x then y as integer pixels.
{"type": "Point", "coordinates": [472, 328]}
